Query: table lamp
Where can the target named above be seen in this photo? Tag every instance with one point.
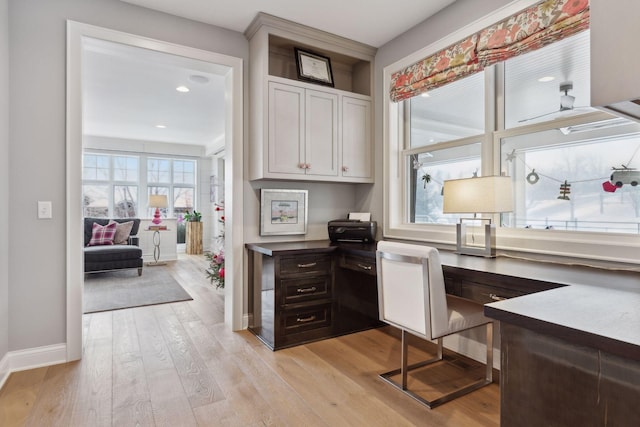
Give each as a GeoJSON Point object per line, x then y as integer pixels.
{"type": "Point", "coordinates": [157, 201]}
{"type": "Point", "coordinates": [487, 194]}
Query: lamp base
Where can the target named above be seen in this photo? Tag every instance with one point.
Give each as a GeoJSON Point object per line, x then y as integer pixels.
{"type": "Point", "coordinates": [156, 217]}
{"type": "Point", "coordinates": [487, 249]}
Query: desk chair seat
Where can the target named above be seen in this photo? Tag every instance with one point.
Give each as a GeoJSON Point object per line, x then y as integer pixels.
{"type": "Point", "coordinates": [412, 297]}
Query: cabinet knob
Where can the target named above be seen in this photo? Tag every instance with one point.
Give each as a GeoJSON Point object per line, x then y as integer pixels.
{"type": "Point", "coordinates": [307, 166]}
{"type": "Point", "coordinates": [345, 169]}
{"type": "Point", "coordinates": [301, 166]}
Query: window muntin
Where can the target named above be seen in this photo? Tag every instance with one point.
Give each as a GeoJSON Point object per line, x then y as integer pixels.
{"type": "Point", "coordinates": [125, 168]}
{"type": "Point", "coordinates": [448, 113]}
{"type": "Point", "coordinates": [582, 156]}
{"type": "Point", "coordinates": [184, 172]}
{"type": "Point", "coordinates": [158, 171]}
{"type": "Point", "coordinates": [96, 167]}
{"type": "Point", "coordinates": [183, 200]}
{"type": "Point", "coordinates": [427, 172]}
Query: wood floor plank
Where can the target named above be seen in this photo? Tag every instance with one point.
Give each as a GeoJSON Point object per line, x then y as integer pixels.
{"type": "Point", "coordinates": [199, 385]}
{"type": "Point", "coordinates": [178, 364]}
{"type": "Point", "coordinates": [92, 406]}
{"type": "Point", "coordinates": [19, 394]}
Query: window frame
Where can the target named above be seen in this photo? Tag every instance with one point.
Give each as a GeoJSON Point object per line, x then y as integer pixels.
{"type": "Point", "coordinates": [142, 181]}
{"type": "Point", "coordinates": [612, 247]}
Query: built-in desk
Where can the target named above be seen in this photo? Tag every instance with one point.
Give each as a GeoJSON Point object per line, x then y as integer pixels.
{"type": "Point", "coordinates": [310, 290]}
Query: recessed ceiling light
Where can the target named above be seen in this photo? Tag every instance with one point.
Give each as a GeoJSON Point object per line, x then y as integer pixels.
{"type": "Point", "coordinates": [425, 95]}
{"type": "Point", "coordinates": [161, 126]}
{"type": "Point", "coordinates": [182, 89]}
{"type": "Point", "coordinates": [546, 79]}
{"type": "Point", "coordinates": [197, 78]}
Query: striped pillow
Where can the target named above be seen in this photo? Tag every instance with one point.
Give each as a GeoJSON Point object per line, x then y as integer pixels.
{"type": "Point", "coordinates": [102, 235]}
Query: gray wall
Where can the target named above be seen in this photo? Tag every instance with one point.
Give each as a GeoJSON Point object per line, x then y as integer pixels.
{"type": "Point", "coordinates": [4, 178]}
{"type": "Point", "coordinates": [37, 30]}
{"type": "Point", "coordinates": [458, 15]}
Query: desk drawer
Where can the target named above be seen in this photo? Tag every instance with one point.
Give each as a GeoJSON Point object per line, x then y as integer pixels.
{"type": "Point", "coordinates": [308, 264]}
{"type": "Point", "coordinates": [361, 264]}
{"type": "Point", "coordinates": [485, 294]}
{"type": "Point", "coordinates": [305, 289]}
{"type": "Point", "coordinates": [306, 318]}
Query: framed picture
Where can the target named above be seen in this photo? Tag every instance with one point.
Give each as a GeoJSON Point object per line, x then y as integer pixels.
{"type": "Point", "coordinates": [313, 67]}
{"type": "Point", "coordinates": [283, 212]}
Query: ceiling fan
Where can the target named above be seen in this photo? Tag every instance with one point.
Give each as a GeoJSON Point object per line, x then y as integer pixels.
{"type": "Point", "coordinates": [566, 102]}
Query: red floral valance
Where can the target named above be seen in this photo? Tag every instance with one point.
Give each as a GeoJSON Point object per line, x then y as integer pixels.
{"type": "Point", "coordinates": [531, 29]}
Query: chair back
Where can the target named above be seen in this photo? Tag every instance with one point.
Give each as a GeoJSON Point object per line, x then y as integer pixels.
{"type": "Point", "coordinates": [411, 291]}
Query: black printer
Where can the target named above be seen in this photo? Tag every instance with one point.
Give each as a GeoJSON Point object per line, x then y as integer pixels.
{"type": "Point", "coordinates": [352, 230]}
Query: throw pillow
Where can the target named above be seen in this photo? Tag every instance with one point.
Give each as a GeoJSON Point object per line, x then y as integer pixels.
{"type": "Point", "coordinates": [123, 229]}
{"type": "Point", "coordinates": [102, 235]}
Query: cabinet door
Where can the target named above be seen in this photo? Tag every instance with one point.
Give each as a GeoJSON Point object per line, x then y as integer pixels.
{"type": "Point", "coordinates": [286, 129]}
{"type": "Point", "coordinates": [321, 134]}
{"type": "Point", "coordinates": [356, 138]}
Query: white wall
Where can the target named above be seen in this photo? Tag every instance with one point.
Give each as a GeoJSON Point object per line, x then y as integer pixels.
{"type": "Point", "coordinates": [4, 181]}
{"type": "Point", "coordinates": [37, 32]}
{"type": "Point", "coordinates": [458, 15]}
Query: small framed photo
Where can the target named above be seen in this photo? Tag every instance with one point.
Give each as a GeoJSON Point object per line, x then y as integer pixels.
{"type": "Point", "coordinates": [313, 67]}
{"type": "Point", "coordinates": [283, 212]}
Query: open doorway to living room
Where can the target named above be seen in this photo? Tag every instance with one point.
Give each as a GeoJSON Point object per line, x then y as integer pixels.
{"type": "Point", "coordinates": [155, 118]}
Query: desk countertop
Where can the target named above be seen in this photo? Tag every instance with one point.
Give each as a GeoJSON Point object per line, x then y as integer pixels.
{"type": "Point", "coordinates": [595, 307]}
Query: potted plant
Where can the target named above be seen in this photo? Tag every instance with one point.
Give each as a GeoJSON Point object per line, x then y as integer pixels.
{"type": "Point", "coordinates": [194, 232]}
{"type": "Point", "coordinates": [215, 272]}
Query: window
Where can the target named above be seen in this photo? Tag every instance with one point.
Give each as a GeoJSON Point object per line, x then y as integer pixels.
{"type": "Point", "coordinates": [113, 184]}
{"type": "Point", "coordinates": [445, 130]}
{"type": "Point", "coordinates": [110, 186]}
{"type": "Point", "coordinates": [575, 169]}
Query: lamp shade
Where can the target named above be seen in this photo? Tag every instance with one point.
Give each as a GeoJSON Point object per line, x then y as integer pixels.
{"type": "Point", "coordinates": [487, 194]}
{"type": "Point", "coordinates": [158, 201]}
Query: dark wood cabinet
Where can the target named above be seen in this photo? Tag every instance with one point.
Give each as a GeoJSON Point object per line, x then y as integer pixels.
{"type": "Point", "coordinates": [292, 298]}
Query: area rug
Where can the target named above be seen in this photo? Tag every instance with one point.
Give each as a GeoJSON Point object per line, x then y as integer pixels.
{"type": "Point", "coordinates": [119, 289]}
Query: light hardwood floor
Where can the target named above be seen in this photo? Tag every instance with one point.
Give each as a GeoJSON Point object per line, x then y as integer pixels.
{"type": "Point", "coordinates": [178, 365]}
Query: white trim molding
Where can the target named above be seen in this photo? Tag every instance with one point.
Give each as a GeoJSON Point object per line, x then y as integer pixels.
{"type": "Point", "coordinates": [31, 358]}
{"type": "Point", "coordinates": [232, 69]}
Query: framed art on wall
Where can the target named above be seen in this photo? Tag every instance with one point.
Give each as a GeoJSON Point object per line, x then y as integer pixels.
{"type": "Point", "coordinates": [313, 67]}
{"type": "Point", "coordinates": [283, 212]}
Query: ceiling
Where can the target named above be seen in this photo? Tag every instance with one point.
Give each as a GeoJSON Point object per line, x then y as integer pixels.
{"type": "Point", "coordinates": [128, 91]}
{"type": "Point", "coordinates": [357, 20]}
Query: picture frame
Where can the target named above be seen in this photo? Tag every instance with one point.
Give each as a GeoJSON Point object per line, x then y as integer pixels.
{"type": "Point", "coordinates": [283, 212]}
{"type": "Point", "coordinates": [313, 67]}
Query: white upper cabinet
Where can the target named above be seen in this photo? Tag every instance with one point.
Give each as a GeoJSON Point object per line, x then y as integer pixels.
{"type": "Point", "coordinates": [302, 130]}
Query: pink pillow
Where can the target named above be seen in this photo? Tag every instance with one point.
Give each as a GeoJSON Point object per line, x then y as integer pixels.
{"type": "Point", "coordinates": [102, 235]}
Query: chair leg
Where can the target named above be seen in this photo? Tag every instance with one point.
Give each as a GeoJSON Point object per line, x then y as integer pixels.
{"type": "Point", "coordinates": [139, 271]}
{"type": "Point", "coordinates": [405, 368]}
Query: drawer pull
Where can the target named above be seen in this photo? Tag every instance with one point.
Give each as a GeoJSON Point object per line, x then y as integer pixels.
{"type": "Point", "coordinates": [364, 267]}
{"type": "Point", "coordinates": [306, 319]}
{"type": "Point", "coordinates": [311, 264]}
{"type": "Point", "coordinates": [303, 290]}
{"type": "Point", "coordinates": [496, 297]}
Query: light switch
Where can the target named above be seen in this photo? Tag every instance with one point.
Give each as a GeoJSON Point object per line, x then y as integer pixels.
{"type": "Point", "coordinates": [44, 210]}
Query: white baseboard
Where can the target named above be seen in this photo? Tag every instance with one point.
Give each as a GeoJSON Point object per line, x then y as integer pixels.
{"type": "Point", "coordinates": [31, 358]}
{"type": "Point", "coordinates": [245, 321]}
{"type": "Point", "coordinates": [4, 369]}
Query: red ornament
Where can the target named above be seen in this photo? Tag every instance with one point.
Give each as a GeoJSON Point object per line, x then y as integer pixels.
{"type": "Point", "coordinates": [221, 273]}
{"type": "Point", "coordinates": [609, 187]}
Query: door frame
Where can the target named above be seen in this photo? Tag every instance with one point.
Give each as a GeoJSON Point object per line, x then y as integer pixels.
{"type": "Point", "coordinates": [234, 137]}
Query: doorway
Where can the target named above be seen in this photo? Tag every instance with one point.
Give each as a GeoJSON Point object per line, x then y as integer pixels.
{"type": "Point", "coordinates": [230, 68]}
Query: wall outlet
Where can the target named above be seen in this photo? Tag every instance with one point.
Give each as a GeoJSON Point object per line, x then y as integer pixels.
{"type": "Point", "coordinates": [44, 210]}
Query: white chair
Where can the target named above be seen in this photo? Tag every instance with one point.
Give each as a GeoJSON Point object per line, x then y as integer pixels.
{"type": "Point", "coordinates": [412, 297]}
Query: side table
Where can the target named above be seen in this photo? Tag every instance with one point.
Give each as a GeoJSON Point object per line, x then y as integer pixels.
{"type": "Point", "coordinates": [156, 246]}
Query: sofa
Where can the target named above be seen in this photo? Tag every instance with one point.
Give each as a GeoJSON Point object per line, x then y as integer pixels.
{"type": "Point", "coordinates": [122, 251]}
